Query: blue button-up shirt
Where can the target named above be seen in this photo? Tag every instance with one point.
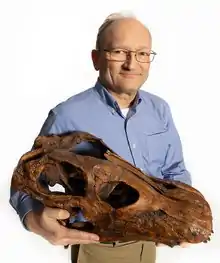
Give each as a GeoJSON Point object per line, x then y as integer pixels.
{"type": "Point", "coordinates": [146, 137]}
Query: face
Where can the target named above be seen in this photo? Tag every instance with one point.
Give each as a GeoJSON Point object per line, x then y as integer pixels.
{"type": "Point", "coordinates": [123, 76]}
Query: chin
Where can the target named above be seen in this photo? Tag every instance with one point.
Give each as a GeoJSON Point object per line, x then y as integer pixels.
{"type": "Point", "coordinates": [130, 85]}
{"type": "Point", "coordinates": [129, 89]}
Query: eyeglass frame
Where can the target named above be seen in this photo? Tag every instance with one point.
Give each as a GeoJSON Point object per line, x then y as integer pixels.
{"type": "Point", "coordinates": [128, 54]}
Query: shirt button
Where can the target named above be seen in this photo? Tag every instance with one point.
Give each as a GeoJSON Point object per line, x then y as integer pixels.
{"type": "Point", "coordinates": [134, 145]}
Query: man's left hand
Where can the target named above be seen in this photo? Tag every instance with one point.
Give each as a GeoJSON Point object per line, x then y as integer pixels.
{"type": "Point", "coordinates": [183, 245]}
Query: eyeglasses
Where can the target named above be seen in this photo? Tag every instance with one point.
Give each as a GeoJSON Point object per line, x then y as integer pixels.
{"type": "Point", "coordinates": [122, 55]}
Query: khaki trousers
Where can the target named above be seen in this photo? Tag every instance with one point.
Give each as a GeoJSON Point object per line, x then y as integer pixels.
{"type": "Point", "coordinates": [128, 252]}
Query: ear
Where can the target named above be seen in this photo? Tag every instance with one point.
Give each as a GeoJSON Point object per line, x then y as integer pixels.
{"type": "Point", "coordinates": [95, 59]}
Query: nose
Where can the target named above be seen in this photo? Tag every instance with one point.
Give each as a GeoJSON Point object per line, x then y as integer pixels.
{"type": "Point", "coordinates": [130, 62]}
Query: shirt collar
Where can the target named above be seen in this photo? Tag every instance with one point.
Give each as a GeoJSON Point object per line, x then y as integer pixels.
{"type": "Point", "coordinates": [109, 100]}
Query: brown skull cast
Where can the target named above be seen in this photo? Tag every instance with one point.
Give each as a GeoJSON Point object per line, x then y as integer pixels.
{"type": "Point", "coordinates": [119, 201]}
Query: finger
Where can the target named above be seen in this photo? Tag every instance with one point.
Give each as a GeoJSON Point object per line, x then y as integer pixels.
{"type": "Point", "coordinates": [184, 245]}
{"type": "Point", "coordinates": [82, 236]}
{"type": "Point", "coordinates": [66, 242]}
{"type": "Point", "coordinates": [160, 245]}
{"type": "Point", "coordinates": [82, 242]}
{"type": "Point", "coordinates": [64, 237]}
{"type": "Point", "coordinates": [56, 213]}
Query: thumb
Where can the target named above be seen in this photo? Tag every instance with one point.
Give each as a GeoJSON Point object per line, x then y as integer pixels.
{"type": "Point", "coordinates": [56, 213]}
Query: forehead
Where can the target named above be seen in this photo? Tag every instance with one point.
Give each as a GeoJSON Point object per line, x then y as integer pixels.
{"type": "Point", "coordinates": [128, 33]}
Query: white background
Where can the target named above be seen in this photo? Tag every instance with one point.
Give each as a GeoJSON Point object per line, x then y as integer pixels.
{"type": "Point", "coordinates": [45, 58]}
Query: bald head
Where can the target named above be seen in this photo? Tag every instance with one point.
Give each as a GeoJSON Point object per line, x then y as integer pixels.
{"type": "Point", "coordinates": [117, 26]}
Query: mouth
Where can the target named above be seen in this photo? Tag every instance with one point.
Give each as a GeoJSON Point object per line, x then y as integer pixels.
{"type": "Point", "coordinates": [129, 76]}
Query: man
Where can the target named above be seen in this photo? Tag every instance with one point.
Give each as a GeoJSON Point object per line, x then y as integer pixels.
{"type": "Point", "coordinates": [134, 123]}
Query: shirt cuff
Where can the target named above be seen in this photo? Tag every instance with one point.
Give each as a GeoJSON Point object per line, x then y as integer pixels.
{"type": "Point", "coordinates": [26, 205]}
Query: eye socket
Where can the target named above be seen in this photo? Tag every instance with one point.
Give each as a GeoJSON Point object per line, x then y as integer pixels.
{"type": "Point", "coordinates": [76, 179]}
{"type": "Point", "coordinates": [122, 194]}
{"type": "Point", "coordinates": [51, 187]}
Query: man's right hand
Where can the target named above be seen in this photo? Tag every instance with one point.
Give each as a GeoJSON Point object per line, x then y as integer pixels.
{"type": "Point", "coordinates": [46, 225]}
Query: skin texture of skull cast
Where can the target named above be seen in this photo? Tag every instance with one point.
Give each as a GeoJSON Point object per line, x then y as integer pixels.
{"type": "Point", "coordinates": [119, 202]}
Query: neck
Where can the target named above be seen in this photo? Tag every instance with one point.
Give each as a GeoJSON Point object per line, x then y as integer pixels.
{"type": "Point", "coordinates": [124, 100]}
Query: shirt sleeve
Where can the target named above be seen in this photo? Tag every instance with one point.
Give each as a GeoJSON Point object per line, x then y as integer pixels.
{"type": "Point", "coordinates": [22, 202]}
{"type": "Point", "coordinates": [174, 166]}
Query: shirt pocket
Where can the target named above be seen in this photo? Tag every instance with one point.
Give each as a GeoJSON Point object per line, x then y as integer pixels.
{"type": "Point", "coordinates": [155, 146]}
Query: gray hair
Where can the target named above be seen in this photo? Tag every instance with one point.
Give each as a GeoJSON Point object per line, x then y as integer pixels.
{"type": "Point", "coordinates": [109, 20]}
